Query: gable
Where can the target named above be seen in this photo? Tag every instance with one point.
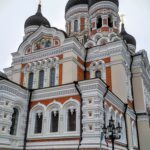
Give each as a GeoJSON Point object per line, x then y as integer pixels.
{"type": "Point", "coordinates": [42, 39]}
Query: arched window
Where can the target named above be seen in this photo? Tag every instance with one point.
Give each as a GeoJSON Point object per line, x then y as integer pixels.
{"type": "Point", "coordinates": [54, 121]}
{"type": "Point", "coordinates": [99, 22]}
{"type": "Point", "coordinates": [30, 81]}
{"type": "Point", "coordinates": [15, 117]}
{"type": "Point", "coordinates": [76, 26]}
{"type": "Point", "coordinates": [52, 77]}
{"type": "Point", "coordinates": [98, 74]}
{"type": "Point", "coordinates": [41, 79]}
{"type": "Point", "coordinates": [38, 123]}
{"type": "Point", "coordinates": [72, 120]}
{"type": "Point", "coordinates": [123, 132]}
{"type": "Point", "coordinates": [110, 21]}
{"type": "Point", "coordinates": [134, 135]}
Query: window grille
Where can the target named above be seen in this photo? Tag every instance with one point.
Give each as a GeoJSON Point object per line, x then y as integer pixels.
{"type": "Point", "coordinates": [38, 123]}
{"type": "Point", "coordinates": [72, 120]}
{"type": "Point", "coordinates": [15, 117]}
{"type": "Point", "coordinates": [30, 81]}
{"type": "Point", "coordinates": [52, 77]}
{"type": "Point", "coordinates": [54, 121]}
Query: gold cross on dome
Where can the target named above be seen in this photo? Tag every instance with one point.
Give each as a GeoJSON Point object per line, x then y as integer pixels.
{"type": "Point", "coordinates": [40, 2]}
{"type": "Point", "coordinates": [122, 16]}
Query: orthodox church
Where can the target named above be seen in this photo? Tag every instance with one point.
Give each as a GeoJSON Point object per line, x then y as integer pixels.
{"type": "Point", "coordinates": [84, 89]}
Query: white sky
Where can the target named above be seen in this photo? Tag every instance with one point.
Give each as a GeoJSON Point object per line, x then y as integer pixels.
{"type": "Point", "coordinates": [13, 14]}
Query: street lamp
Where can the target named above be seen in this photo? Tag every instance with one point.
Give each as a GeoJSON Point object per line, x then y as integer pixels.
{"type": "Point", "coordinates": [111, 132]}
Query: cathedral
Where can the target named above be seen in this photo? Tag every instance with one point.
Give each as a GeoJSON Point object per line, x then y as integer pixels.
{"type": "Point", "coordinates": [86, 88]}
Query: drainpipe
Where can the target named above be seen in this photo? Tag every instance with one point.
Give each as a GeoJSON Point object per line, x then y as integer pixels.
{"type": "Point", "coordinates": [27, 120]}
{"type": "Point", "coordinates": [125, 118]}
{"type": "Point", "coordinates": [77, 86]}
{"type": "Point", "coordinates": [132, 91]}
{"type": "Point", "coordinates": [104, 114]}
{"type": "Point", "coordinates": [85, 61]}
{"type": "Point", "coordinates": [136, 121]}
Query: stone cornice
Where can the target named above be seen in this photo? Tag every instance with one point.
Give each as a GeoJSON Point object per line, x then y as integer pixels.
{"type": "Point", "coordinates": [76, 9]}
{"type": "Point", "coordinates": [114, 100]}
{"type": "Point", "coordinates": [13, 89]}
{"type": "Point", "coordinates": [48, 53]}
{"type": "Point", "coordinates": [103, 5]}
{"type": "Point", "coordinates": [108, 50]}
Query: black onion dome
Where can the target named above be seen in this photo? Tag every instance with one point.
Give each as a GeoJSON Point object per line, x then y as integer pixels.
{"type": "Point", "coordinates": [92, 2]}
{"type": "Point", "coordinates": [127, 37]}
{"type": "Point", "coordinates": [3, 75]}
{"type": "Point", "coordinates": [72, 3]}
{"type": "Point", "coordinates": [37, 19]}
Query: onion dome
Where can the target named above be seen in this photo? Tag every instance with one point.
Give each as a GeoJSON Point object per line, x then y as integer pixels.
{"type": "Point", "coordinates": [127, 37]}
{"type": "Point", "coordinates": [92, 2]}
{"type": "Point", "coordinates": [3, 75]}
{"type": "Point", "coordinates": [37, 19]}
{"type": "Point", "coordinates": [72, 3]}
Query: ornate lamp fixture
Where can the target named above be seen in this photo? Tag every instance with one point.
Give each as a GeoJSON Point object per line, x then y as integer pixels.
{"type": "Point", "coordinates": [111, 132]}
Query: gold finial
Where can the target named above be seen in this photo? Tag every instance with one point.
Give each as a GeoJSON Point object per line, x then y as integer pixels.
{"type": "Point", "coordinates": [40, 2]}
{"type": "Point", "coordinates": [122, 16]}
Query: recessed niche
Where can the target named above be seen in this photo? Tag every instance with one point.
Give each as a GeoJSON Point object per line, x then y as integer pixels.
{"type": "Point", "coordinates": [90, 114]}
{"type": "Point", "coordinates": [5, 115]}
{"type": "Point", "coordinates": [90, 127]}
{"type": "Point", "coordinates": [7, 103]}
{"type": "Point", "coordinates": [3, 128]}
{"type": "Point", "coordinates": [90, 101]}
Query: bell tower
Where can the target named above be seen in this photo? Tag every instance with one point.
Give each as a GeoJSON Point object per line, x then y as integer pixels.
{"type": "Point", "coordinates": [77, 17]}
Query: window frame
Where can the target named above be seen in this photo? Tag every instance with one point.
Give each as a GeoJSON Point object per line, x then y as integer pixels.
{"type": "Point", "coordinates": [14, 126]}
{"type": "Point", "coordinates": [30, 80]}
{"type": "Point", "coordinates": [41, 79]}
{"type": "Point", "coordinates": [52, 81]}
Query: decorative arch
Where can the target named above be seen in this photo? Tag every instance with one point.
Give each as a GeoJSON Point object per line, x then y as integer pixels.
{"type": "Point", "coordinates": [98, 66]}
{"type": "Point", "coordinates": [103, 41]}
{"type": "Point", "coordinates": [71, 115]}
{"type": "Point", "coordinates": [37, 114]}
{"type": "Point", "coordinates": [53, 117]}
{"type": "Point", "coordinates": [97, 36]}
{"type": "Point", "coordinates": [90, 44]}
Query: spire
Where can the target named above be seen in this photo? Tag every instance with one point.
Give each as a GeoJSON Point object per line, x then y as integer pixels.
{"type": "Point", "coordinates": [40, 2]}
{"type": "Point", "coordinates": [122, 16]}
{"type": "Point", "coordinates": [123, 28]}
{"type": "Point", "coordinates": [39, 8]}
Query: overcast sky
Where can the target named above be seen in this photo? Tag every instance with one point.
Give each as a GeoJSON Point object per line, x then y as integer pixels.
{"type": "Point", "coordinates": [13, 14]}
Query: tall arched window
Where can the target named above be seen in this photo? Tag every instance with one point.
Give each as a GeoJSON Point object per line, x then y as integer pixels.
{"type": "Point", "coordinates": [99, 22]}
{"type": "Point", "coordinates": [76, 26]}
{"type": "Point", "coordinates": [14, 120]}
{"type": "Point", "coordinates": [98, 74]}
{"type": "Point", "coordinates": [123, 132]}
{"type": "Point", "coordinates": [72, 120]}
{"type": "Point", "coordinates": [30, 81]}
{"type": "Point", "coordinates": [41, 79]}
{"type": "Point", "coordinates": [110, 21]}
{"type": "Point", "coordinates": [134, 135]}
{"type": "Point", "coordinates": [52, 77]}
{"type": "Point", "coordinates": [38, 123]}
{"type": "Point", "coordinates": [54, 121]}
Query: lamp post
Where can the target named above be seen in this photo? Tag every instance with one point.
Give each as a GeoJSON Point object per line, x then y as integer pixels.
{"type": "Point", "coordinates": [111, 132]}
